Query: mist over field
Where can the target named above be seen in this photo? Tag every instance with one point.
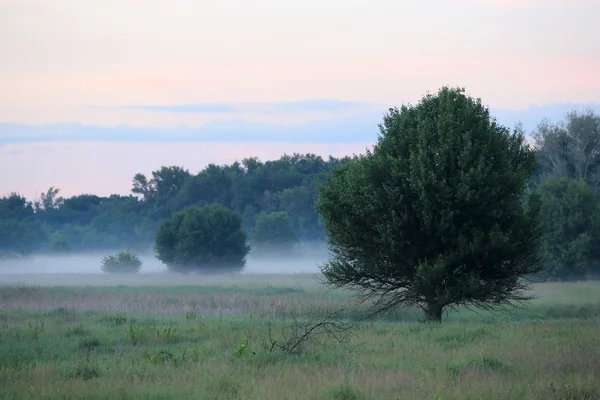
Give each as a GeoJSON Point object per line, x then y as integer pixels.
{"type": "Point", "coordinates": [25, 269]}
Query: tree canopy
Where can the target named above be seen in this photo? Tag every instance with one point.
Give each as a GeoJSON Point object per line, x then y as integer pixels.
{"type": "Point", "coordinates": [435, 214]}
{"type": "Point", "coordinates": [273, 232]}
{"type": "Point", "coordinates": [208, 239]}
{"type": "Point", "coordinates": [571, 226]}
{"type": "Point", "coordinates": [570, 148]}
{"type": "Point", "coordinates": [20, 229]}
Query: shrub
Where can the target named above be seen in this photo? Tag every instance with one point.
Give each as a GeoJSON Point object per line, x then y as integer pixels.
{"type": "Point", "coordinates": [122, 262]}
{"type": "Point", "coordinates": [207, 239]}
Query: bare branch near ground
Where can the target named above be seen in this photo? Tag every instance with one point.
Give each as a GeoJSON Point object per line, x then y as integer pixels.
{"type": "Point", "coordinates": [298, 336]}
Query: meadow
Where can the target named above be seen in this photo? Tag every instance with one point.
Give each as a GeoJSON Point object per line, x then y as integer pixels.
{"type": "Point", "coordinates": [160, 336]}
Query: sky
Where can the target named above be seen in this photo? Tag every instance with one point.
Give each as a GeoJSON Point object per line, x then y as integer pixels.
{"type": "Point", "coordinates": [94, 91]}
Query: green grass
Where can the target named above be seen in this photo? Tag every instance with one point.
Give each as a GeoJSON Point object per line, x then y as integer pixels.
{"type": "Point", "coordinates": [208, 338]}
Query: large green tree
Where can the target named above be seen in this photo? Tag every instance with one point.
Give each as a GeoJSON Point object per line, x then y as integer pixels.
{"type": "Point", "coordinates": [204, 239]}
{"type": "Point", "coordinates": [571, 229]}
{"type": "Point", "coordinates": [435, 215]}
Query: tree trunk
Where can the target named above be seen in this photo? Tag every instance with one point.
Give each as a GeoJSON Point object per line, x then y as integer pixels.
{"type": "Point", "coordinates": [433, 311]}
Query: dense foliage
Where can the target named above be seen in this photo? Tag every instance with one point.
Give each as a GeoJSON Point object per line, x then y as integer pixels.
{"type": "Point", "coordinates": [273, 232]}
{"type": "Point", "coordinates": [570, 148]}
{"type": "Point", "coordinates": [90, 222]}
{"type": "Point", "coordinates": [571, 221]}
{"type": "Point", "coordinates": [568, 179]}
{"type": "Point", "coordinates": [208, 239]}
{"type": "Point", "coordinates": [122, 262]}
{"type": "Point", "coordinates": [434, 216]}
{"type": "Point", "coordinates": [20, 228]}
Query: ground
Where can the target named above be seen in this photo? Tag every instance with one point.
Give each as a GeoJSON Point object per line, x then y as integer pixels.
{"type": "Point", "coordinates": [168, 337]}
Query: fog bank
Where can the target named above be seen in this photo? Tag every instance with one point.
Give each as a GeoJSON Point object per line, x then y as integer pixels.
{"type": "Point", "coordinates": [306, 261]}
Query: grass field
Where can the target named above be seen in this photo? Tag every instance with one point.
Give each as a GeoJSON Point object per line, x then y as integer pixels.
{"type": "Point", "coordinates": [172, 337]}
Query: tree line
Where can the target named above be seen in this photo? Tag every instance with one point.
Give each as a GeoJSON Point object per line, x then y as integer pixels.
{"type": "Point", "coordinates": [275, 201]}
{"type": "Point", "coordinates": [264, 194]}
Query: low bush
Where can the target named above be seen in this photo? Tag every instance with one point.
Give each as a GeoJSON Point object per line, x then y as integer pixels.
{"type": "Point", "coordinates": [122, 262]}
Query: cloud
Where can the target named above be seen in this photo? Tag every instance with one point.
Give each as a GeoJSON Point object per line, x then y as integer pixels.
{"type": "Point", "coordinates": [359, 128]}
{"type": "Point", "coordinates": [188, 108]}
{"type": "Point", "coordinates": [353, 129]}
{"type": "Point", "coordinates": [314, 105]}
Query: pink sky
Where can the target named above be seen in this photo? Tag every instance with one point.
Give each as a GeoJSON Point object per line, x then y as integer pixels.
{"type": "Point", "coordinates": [67, 61]}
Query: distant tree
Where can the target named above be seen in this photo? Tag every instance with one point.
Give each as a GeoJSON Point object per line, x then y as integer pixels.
{"type": "Point", "coordinates": [16, 206]}
{"type": "Point", "coordinates": [122, 262]}
{"type": "Point", "coordinates": [59, 243]}
{"type": "Point", "coordinates": [162, 188]}
{"type": "Point", "coordinates": [212, 185]}
{"type": "Point", "coordinates": [23, 237]}
{"type": "Point", "coordinates": [142, 186]}
{"type": "Point", "coordinates": [77, 210]}
{"type": "Point", "coordinates": [168, 181]}
{"type": "Point", "coordinates": [204, 239]}
{"type": "Point", "coordinates": [435, 215]}
{"type": "Point", "coordinates": [299, 203]}
{"type": "Point", "coordinates": [252, 164]}
{"type": "Point", "coordinates": [273, 232]}
{"type": "Point", "coordinates": [20, 230]}
{"type": "Point", "coordinates": [570, 148]}
{"type": "Point", "coordinates": [50, 200]}
{"type": "Point", "coordinates": [571, 229]}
